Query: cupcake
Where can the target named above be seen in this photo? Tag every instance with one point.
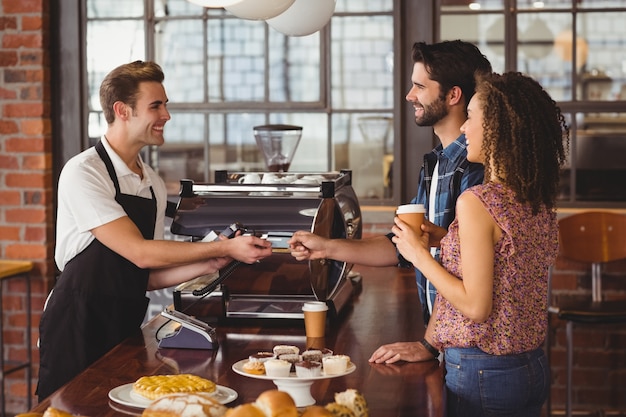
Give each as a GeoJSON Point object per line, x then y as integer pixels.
{"type": "Point", "coordinates": [308, 369]}
{"type": "Point", "coordinates": [277, 368]}
{"type": "Point", "coordinates": [312, 355]}
{"type": "Point", "coordinates": [254, 368]}
{"type": "Point", "coordinates": [335, 364]}
{"type": "Point", "coordinates": [285, 349]}
{"type": "Point", "coordinates": [292, 358]}
{"type": "Point", "coordinates": [261, 357]}
{"type": "Point", "coordinates": [327, 352]}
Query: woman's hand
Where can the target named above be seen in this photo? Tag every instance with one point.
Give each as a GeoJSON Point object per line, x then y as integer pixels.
{"type": "Point", "coordinates": [435, 233]}
{"type": "Point", "coordinates": [401, 351]}
{"type": "Point", "coordinates": [410, 245]}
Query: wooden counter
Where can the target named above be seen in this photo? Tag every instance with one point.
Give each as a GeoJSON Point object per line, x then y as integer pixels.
{"type": "Point", "coordinates": [386, 310]}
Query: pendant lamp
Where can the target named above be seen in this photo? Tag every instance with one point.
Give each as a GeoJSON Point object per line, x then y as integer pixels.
{"type": "Point", "coordinates": [259, 9]}
{"type": "Point", "coordinates": [304, 17]}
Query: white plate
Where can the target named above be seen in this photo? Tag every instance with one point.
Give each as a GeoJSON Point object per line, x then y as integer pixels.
{"type": "Point", "coordinates": [125, 395]}
{"type": "Point", "coordinates": [238, 367]}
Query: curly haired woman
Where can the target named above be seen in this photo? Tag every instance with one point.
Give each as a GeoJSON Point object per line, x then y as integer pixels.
{"type": "Point", "coordinates": [490, 314]}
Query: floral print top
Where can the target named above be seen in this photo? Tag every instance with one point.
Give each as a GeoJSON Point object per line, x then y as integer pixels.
{"type": "Point", "coordinates": [529, 245]}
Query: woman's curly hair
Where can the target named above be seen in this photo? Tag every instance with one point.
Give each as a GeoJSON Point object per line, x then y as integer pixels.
{"type": "Point", "coordinates": [525, 138]}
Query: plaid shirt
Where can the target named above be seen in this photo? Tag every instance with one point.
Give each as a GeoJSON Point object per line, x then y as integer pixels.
{"type": "Point", "coordinates": [456, 174]}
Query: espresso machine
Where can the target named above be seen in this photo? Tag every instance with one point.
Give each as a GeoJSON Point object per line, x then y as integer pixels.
{"type": "Point", "coordinates": [272, 205]}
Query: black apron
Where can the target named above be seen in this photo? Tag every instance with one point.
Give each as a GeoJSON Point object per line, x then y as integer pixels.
{"type": "Point", "coordinates": [98, 301]}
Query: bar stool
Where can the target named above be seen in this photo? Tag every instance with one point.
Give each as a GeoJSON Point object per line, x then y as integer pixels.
{"type": "Point", "coordinates": [593, 238]}
{"type": "Point", "coordinates": [13, 270]}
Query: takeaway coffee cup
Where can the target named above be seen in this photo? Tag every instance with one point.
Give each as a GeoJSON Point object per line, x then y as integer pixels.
{"type": "Point", "coordinates": [314, 318]}
{"type": "Point", "coordinates": [413, 215]}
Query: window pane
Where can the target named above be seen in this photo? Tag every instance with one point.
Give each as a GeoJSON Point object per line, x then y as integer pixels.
{"type": "Point", "coordinates": [312, 152]}
{"type": "Point", "coordinates": [97, 125]}
{"type": "Point", "coordinates": [537, 55]}
{"type": "Point", "coordinates": [236, 60]}
{"type": "Point", "coordinates": [233, 149]}
{"type": "Point", "coordinates": [360, 143]}
{"type": "Point", "coordinates": [466, 5]}
{"type": "Point", "coordinates": [598, 156]}
{"type": "Point", "coordinates": [210, 56]}
{"type": "Point", "coordinates": [294, 67]}
{"type": "Point", "coordinates": [484, 30]}
{"type": "Point", "coordinates": [185, 128]}
{"type": "Point", "coordinates": [179, 50]}
{"type": "Point", "coordinates": [601, 4]}
{"type": "Point", "coordinates": [364, 6]}
{"type": "Point", "coordinates": [182, 154]}
{"type": "Point", "coordinates": [601, 43]}
{"type": "Point", "coordinates": [240, 152]}
{"type": "Point", "coordinates": [128, 38]}
{"type": "Point", "coordinates": [114, 8]}
{"type": "Point", "coordinates": [362, 56]}
{"type": "Point", "coordinates": [537, 5]}
{"type": "Point", "coordinates": [176, 8]}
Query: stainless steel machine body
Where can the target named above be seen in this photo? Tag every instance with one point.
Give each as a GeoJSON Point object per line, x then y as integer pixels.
{"type": "Point", "coordinates": [273, 205]}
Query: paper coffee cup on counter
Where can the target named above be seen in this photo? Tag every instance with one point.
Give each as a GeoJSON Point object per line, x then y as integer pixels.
{"type": "Point", "coordinates": [315, 318]}
{"type": "Point", "coordinates": [413, 215]}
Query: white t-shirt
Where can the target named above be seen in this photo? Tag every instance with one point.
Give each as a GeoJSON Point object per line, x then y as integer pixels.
{"type": "Point", "coordinates": [432, 204]}
{"type": "Point", "coordinates": [86, 199]}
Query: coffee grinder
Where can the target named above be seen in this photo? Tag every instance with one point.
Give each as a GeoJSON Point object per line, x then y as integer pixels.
{"type": "Point", "coordinates": [278, 143]}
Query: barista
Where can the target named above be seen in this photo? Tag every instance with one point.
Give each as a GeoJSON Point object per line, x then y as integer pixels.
{"type": "Point", "coordinates": [110, 227]}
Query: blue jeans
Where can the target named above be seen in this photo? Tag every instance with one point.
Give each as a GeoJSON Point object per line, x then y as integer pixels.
{"type": "Point", "coordinates": [479, 384]}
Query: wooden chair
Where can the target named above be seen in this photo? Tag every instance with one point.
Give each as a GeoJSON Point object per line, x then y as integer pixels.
{"type": "Point", "coordinates": [594, 238]}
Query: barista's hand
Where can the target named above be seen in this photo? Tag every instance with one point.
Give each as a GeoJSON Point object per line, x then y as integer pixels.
{"type": "Point", "coordinates": [215, 264]}
{"type": "Point", "coordinates": [401, 351]}
{"type": "Point", "coordinates": [248, 249]}
{"type": "Point", "coordinates": [306, 246]}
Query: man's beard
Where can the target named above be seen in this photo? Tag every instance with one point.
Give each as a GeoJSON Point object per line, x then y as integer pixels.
{"type": "Point", "coordinates": [433, 113]}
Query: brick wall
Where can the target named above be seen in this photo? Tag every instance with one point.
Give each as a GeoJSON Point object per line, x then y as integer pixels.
{"type": "Point", "coordinates": [26, 221]}
{"type": "Point", "coordinates": [599, 376]}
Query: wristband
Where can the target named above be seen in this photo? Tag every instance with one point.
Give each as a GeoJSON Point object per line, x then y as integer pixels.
{"type": "Point", "coordinates": [430, 348]}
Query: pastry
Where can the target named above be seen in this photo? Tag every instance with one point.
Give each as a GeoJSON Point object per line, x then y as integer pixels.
{"type": "Point", "coordinates": [292, 358]}
{"type": "Point", "coordinates": [285, 349]}
{"type": "Point", "coordinates": [260, 356]}
{"type": "Point", "coordinates": [335, 364]}
{"type": "Point", "coordinates": [254, 368]}
{"type": "Point", "coordinates": [339, 410]}
{"type": "Point", "coordinates": [327, 352]}
{"type": "Point", "coordinates": [316, 411]}
{"type": "Point", "coordinates": [55, 412]}
{"type": "Point", "coordinates": [277, 368]}
{"type": "Point", "coordinates": [245, 410]}
{"type": "Point", "coordinates": [312, 355]}
{"type": "Point", "coordinates": [275, 403]}
{"type": "Point", "coordinates": [308, 369]}
{"type": "Point", "coordinates": [352, 399]}
{"type": "Point", "coordinates": [199, 404]}
{"type": "Point", "coordinates": [155, 386]}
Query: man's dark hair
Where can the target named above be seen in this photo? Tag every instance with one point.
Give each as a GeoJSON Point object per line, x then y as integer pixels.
{"type": "Point", "coordinates": [452, 63]}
